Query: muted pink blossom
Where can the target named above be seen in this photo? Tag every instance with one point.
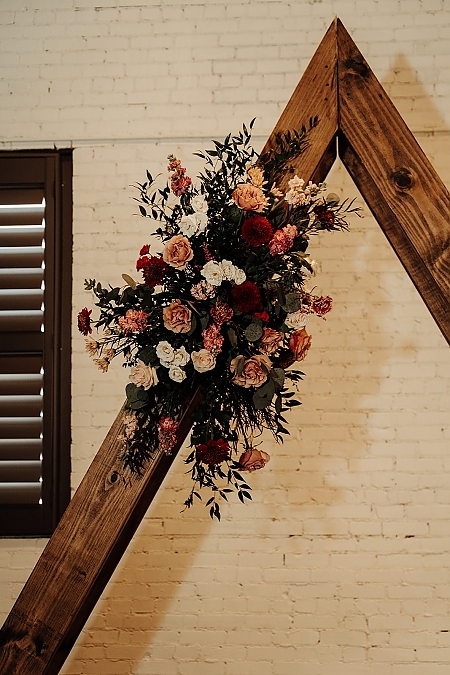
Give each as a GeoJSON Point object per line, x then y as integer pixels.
{"type": "Point", "coordinates": [283, 240]}
{"type": "Point", "coordinates": [134, 321]}
{"type": "Point", "coordinates": [213, 339]}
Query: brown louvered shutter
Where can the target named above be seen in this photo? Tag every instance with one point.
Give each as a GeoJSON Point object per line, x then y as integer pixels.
{"type": "Point", "coordinates": [34, 341]}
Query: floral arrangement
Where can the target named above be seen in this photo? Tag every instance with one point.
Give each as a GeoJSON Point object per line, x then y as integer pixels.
{"type": "Point", "coordinates": [223, 308]}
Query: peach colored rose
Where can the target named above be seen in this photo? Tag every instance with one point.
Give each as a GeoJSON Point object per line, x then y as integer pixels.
{"type": "Point", "coordinates": [143, 375]}
{"type": "Point", "coordinates": [250, 198]}
{"type": "Point", "coordinates": [251, 460]}
{"type": "Point", "coordinates": [177, 317]}
{"type": "Point", "coordinates": [203, 360]}
{"type": "Point", "coordinates": [253, 373]}
{"type": "Point", "coordinates": [300, 343]}
{"type": "Point", "coordinates": [270, 341]}
{"type": "Point", "coordinates": [178, 252]}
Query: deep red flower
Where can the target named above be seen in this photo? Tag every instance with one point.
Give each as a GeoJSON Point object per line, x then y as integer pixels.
{"type": "Point", "coordinates": [285, 359]}
{"type": "Point", "coordinates": [84, 321]}
{"type": "Point", "coordinates": [153, 269]}
{"type": "Point", "coordinates": [325, 216]}
{"type": "Point", "coordinates": [263, 316]}
{"type": "Point", "coordinates": [221, 313]}
{"type": "Point", "coordinates": [246, 297]}
{"type": "Point", "coordinates": [214, 452]}
{"type": "Point", "coordinates": [322, 305]}
{"type": "Point", "coordinates": [145, 249]}
{"type": "Point", "coordinates": [256, 231]}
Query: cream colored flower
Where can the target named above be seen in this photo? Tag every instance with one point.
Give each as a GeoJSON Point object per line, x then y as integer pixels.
{"type": "Point", "coordinates": [143, 375]}
{"type": "Point", "coordinates": [177, 374]}
{"type": "Point", "coordinates": [213, 273]}
{"type": "Point", "coordinates": [165, 352]}
{"type": "Point", "coordinates": [181, 357]}
{"type": "Point", "coordinates": [256, 176]}
{"type": "Point", "coordinates": [297, 319]}
{"type": "Point", "coordinates": [203, 360]}
{"type": "Point", "coordinates": [199, 204]}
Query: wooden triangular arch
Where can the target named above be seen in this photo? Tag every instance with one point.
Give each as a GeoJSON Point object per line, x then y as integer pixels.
{"type": "Point", "coordinates": [410, 203]}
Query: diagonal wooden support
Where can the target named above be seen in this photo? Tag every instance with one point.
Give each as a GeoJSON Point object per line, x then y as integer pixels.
{"type": "Point", "coordinates": [411, 205]}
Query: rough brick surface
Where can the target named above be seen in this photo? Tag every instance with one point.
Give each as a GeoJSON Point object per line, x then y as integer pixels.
{"type": "Point", "coordinates": [340, 566]}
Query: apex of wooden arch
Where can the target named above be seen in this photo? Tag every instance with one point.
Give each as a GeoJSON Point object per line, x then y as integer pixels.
{"type": "Point", "coordinates": [359, 121]}
{"type": "Point", "coordinates": [410, 203]}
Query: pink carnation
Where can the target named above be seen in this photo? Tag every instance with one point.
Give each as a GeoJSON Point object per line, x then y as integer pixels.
{"type": "Point", "coordinates": [167, 433]}
{"type": "Point", "coordinates": [134, 321]}
{"type": "Point", "coordinates": [213, 339]}
{"type": "Point", "coordinates": [283, 240]}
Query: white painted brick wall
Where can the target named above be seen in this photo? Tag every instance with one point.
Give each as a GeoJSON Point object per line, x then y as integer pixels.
{"type": "Point", "coordinates": [341, 564]}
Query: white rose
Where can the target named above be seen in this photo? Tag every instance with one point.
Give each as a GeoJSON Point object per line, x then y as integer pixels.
{"type": "Point", "coordinates": [165, 352]}
{"type": "Point", "coordinates": [189, 225]}
{"type": "Point", "coordinates": [143, 375]}
{"type": "Point", "coordinates": [203, 360]}
{"type": "Point", "coordinates": [297, 319]}
{"type": "Point", "coordinates": [199, 204]}
{"type": "Point", "coordinates": [177, 374]}
{"type": "Point", "coordinates": [239, 276]}
{"type": "Point", "coordinates": [181, 357]}
{"type": "Point", "coordinates": [213, 273]}
{"type": "Point", "coordinates": [228, 269]}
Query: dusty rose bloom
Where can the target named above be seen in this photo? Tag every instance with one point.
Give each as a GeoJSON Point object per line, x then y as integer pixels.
{"type": "Point", "coordinates": [134, 321]}
{"type": "Point", "coordinates": [300, 343]}
{"type": "Point", "coordinates": [253, 373]}
{"type": "Point", "coordinates": [203, 290]}
{"type": "Point", "coordinates": [251, 460]}
{"type": "Point", "coordinates": [213, 338]}
{"type": "Point", "coordinates": [283, 240]}
{"type": "Point", "coordinates": [322, 305]}
{"type": "Point", "coordinates": [167, 434]}
{"type": "Point", "coordinates": [203, 360]}
{"type": "Point", "coordinates": [270, 341]}
{"type": "Point", "coordinates": [178, 252]}
{"type": "Point", "coordinates": [250, 198]}
{"type": "Point", "coordinates": [143, 375]}
{"type": "Point", "coordinates": [177, 317]}
{"type": "Point", "coordinates": [221, 313]}
{"type": "Point", "coordinates": [130, 425]}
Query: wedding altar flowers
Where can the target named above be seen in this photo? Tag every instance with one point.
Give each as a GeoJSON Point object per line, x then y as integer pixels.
{"type": "Point", "coordinates": [223, 309]}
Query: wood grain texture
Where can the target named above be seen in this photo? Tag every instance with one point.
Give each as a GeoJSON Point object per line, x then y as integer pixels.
{"type": "Point", "coordinates": [81, 556]}
{"type": "Point", "coordinates": [315, 95]}
{"type": "Point", "coordinates": [400, 186]}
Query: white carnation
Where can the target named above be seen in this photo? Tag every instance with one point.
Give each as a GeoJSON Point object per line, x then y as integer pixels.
{"type": "Point", "coordinates": [177, 374]}
{"type": "Point", "coordinates": [213, 273]}
{"type": "Point", "coordinates": [202, 221]}
{"type": "Point", "coordinates": [189, 225]}
{"type": "Point", "coordinates": [181, 357]}
{"type": "Point", "coordinates": [228, 269]}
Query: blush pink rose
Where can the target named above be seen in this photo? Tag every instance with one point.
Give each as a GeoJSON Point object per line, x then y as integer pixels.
{"type": "Point", "coordinates": [300, 343]}
{"type": "Point", "coordinates": [177, 317]}
{"type": "Point", "coordinates": [251, 460]}
{"type": "Point", "coordinates": [270, 341]}
{"type": "Point", "coordinates": [253, 373]}
{"type": "Point", "coordinates": [178, 252]}
{"type": "Point", "coordinates": [250, 198]}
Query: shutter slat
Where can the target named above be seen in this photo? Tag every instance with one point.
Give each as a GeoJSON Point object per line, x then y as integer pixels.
{"type": "Point", "coordinates": [21, 342]}
{"type": "Point", "coordinates": [21, 448]}
{"type": "Point", "coordinates": [26, 214]}
{"type": "Point", "coordinates": [20, 406]}
{"type": "Point", "coordinates": [14, 321]}
{"type": "Point", "coordinates": [21, 277]}
{"type": "Point", "coordinates": [20, 472]}
{"type": "Point", "coordinates": [25, 235]}
{"type": "Point", "coordinates": [20, 427]}
{"type": "Point", "coordinates": [21, 195]}
{"type": "Point", "coordinates": [21, 256]}
{"type": "Point", "coordinates": [20, 384]}
{"type": "Point", "coordinates": [21, 364]}
{"type": "Point", "coordinates": [20, 493]}
{"type": "Point", "coordinates": [21, 298]}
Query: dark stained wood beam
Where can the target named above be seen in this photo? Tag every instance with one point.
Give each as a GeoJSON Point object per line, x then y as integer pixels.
{"type": "Point", "coordinates": [400, 186]}
{"type": "Point", "coordinates": [315, 95]}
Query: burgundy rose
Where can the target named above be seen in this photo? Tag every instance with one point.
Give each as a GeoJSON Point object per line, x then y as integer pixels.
{"type": "Point", "coordinates": [322, 305]}
{"type": "Point", "coordinates": [257, 231]}
{"type": "Point", "coordinates": [84, 321]}
{"type": "Point", "coordinates": [325, 216]}
{"type": "Point", "coordinates": [246, 297]}
{"type": "Point", "coordinates": [213, 452]}
{"type": "Point", "coordinates": [153, 269]}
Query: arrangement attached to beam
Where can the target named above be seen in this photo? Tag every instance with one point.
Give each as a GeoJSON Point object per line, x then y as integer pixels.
{"type": "Point", "coordinates": [410, 203]}
{"type": "Point", "coordinates": [222, 309]}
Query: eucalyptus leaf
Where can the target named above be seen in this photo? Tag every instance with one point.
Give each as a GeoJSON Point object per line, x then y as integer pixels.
{"type": "Point", "coordinates": [148, 355]}
{"type": "Point", "coordinates": [278, 376]}
{"type": "Point", "coordinates": [130, 281]}
{"type": "Point", "coordinates": [253, 332]}
{"type": "Point", "coordinates": [232, 337]}
{"type": "Point", "coordinates": [292, 303]}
